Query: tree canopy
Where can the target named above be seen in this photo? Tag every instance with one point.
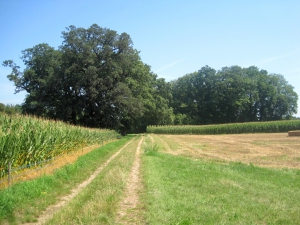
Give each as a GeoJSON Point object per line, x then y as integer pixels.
{"type": "Point", "coordinates": [97, 79]}
{"type": "Point", "coordinates": [233, 94]}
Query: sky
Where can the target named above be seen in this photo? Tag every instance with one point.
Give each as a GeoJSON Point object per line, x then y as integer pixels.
{"type": "Point", "coordinates": [174, 37]}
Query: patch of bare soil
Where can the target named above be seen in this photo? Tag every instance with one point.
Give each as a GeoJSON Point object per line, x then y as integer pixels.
{"type": "Point", "coordinates": [264, 149]}
{"type": "Point", "coordinates": [130, 212]}
{"type": "Point", "coordinates": [48, 213]}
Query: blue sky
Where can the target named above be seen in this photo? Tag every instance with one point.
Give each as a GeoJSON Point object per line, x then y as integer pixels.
{"type": "Point", "coordinates": [173, 37]}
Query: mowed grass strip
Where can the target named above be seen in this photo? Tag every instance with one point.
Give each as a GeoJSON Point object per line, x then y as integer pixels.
{"type": "Point", "coordinates": [98, 203]}
{"type": "Point", "coordinates": [180, 190]}
{"type": "Point", "coordinates": [24, 202]}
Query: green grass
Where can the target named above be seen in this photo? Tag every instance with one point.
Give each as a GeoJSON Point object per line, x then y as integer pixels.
{"type": "Point", "coordinates": [23, 202]}
{"type": "Point", "coordinates": [98, 203]}
{"type": "Point", "coordinates": [176, 190]}
{"type": "Point", "coordinates": [184, 191]}
{"type": "Point", "coordinates": [151, 149]}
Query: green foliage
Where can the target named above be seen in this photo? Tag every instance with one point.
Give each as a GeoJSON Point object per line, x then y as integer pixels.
{"type": "Point", "coordinates": [233, 94]}
{"type": "Point", "coordinates": [10, 109]}
{"type": "Point", "coordinates": [97, 79]}
{"type": "Point", "coordinates": [94, 79]}
{"type": "Point", "coordinates": [28, 140]}
{"type": "Point", "coordinates": [232, 128]}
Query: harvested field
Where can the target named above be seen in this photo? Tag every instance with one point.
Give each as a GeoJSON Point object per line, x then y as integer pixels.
{"type": "Point", "coordinates": [264, 149]}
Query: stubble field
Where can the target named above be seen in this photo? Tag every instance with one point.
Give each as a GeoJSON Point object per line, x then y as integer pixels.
{"type": "Point", "coordinates": [262, 149]}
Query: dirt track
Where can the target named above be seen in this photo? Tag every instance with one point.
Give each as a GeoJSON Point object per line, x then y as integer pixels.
{"type": "Point", "coordinates": [129, 212]}
{"type": "Point", "coordinates": [48, 213]}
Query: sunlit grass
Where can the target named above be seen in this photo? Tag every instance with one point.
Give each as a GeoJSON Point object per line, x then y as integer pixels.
{"type": "Point", "coordinates": [176, 190]}
{"type": "Point", "coordinates": [24, 201]}
{"type": "Point", "coordinates": [99, 202]}
{"type": "Point", "coordinates": [185, 191]}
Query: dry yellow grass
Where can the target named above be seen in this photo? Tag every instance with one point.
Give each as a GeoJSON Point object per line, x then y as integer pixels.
{"type": "Point", "coordinates": [268, 150]}
{"type": "Point", "coordinates": [48, 168]}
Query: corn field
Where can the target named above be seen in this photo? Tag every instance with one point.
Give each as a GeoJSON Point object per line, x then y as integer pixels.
{"type": "Point", "coordinates": [232, 128]}
{"type": "Point", "coordinates": [27, 140]}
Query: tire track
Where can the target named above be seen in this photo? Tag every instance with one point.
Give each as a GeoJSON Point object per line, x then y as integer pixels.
{"type": "Point", "coordinates": [129, 212]}
{"type": "Point", "coordinates": [51, 210]}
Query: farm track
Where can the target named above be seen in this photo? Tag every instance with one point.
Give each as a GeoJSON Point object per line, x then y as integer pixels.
{"type": "Point", "coordinates": [51, 210]}
{"type": "Point", "coordinates": [130, 212]}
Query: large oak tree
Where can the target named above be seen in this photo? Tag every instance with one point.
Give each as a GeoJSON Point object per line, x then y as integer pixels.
{"type": "Point", "coordinates": [95, 78]}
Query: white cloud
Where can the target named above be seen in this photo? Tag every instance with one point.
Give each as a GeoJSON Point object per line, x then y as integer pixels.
{"type": "Point", "coordinates": [272, 59]}
{"type": "Point", "coordinates": [168, 65]}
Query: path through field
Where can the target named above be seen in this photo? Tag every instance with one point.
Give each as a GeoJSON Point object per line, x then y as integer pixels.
{"type": "Point", "coordinates": [112, 194]}
{"type": "Point", "coordinates": [48, 213]}
{"type": "Point", "coordinates": [129, 212]}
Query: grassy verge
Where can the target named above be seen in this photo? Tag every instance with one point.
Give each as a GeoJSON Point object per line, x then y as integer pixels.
{"type": "Point", "coordinates": [184, 191]}
{"type": "Point", "coordinates": [98, 203]}
{"type": "Point", "coordinates": [24, 201]}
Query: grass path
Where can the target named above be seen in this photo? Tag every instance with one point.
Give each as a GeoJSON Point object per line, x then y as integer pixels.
{"type": "Point", "coordinates": [129, 210]}
{"type": "Point", "coordinates": [48, 213]}
{"type": "Point", "coordinates": [99, 202]}
{"type": "Point", "coordinates": [25, 202]}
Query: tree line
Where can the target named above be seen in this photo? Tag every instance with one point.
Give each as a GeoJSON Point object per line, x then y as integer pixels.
{"type": "Point", "coordinates": [97, 79]}
{"type": "Point", "coordinates": [232, 94]}
{"type": "Point", "coordinates": [10, 109]}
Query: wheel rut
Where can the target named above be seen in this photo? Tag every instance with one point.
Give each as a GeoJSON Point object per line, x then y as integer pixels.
{"type": "Point", "coordinates": [130, 210]}
{"type": "Point", "coordinates": [51, 210]}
